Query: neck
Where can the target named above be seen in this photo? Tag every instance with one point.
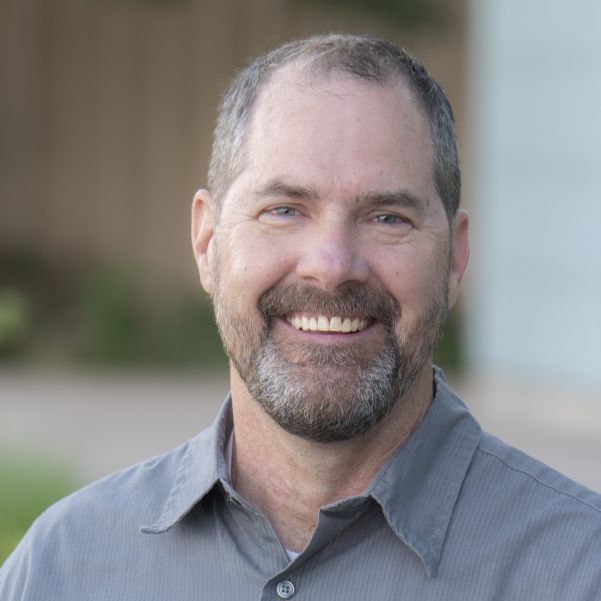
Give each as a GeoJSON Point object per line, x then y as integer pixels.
{"type": "Point", "coordinates": [289, 479]}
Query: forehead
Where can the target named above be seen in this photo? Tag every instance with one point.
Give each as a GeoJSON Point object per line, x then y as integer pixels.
{"type": "Point", "coordinates": [339, 131]}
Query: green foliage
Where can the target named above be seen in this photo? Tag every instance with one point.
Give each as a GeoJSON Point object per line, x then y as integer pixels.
{"type": "Point", "coordinates": [118, 330]}
{"type": "Point", "coordinates": [112, 327]}
{"type": "Point", "coordinates": [187, 337]}
{"type": "Point", "coordinates": [27, 488]}
{"type": "Point", "coordinates": [85, 314]}
{"type": "Point", "coordinates": [15, 321]}
{"type": "Point", "coordinates": [448, 353]}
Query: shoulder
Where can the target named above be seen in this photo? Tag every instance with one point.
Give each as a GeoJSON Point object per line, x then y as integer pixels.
{"type": "Point", "coordinates": [532, 514]}
{"type": "Point", "coordinates": [95, 525]}
{"type": "Point", "coordinates": [516, 471]}
{"type": "Point", "coordinates": [133, 494]}
{"type": "Point", "coordinates": [526, 528]}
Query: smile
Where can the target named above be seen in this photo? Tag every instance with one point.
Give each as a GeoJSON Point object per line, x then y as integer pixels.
{"type": "Point", "coordinates": [323, 323]}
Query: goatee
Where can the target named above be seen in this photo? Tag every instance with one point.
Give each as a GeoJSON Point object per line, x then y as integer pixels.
{"type": "Point", "coordinates": [329, 392]}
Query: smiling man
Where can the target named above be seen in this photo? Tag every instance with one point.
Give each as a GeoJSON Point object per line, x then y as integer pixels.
{"type": "Point", "coordinates": [331, 260]}
{"type": "Point", "coordinates": [341, 465]}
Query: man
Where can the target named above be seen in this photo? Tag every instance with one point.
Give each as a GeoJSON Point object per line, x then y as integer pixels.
{"type": "Point", "coordinates": [341, 466]}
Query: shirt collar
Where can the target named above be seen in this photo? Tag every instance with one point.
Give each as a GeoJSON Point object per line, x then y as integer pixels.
{"type": "Point", "coordinates": [203, 464]}
{"type": "Point", "coordinates": [418, 487]}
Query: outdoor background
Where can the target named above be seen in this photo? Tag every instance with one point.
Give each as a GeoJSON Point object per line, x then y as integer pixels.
{"type": "Point", "coordinates": [108, 352]}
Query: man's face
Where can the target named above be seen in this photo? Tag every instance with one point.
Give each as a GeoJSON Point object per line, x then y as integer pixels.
{"type": "Point", "coordinates": [329, 266]}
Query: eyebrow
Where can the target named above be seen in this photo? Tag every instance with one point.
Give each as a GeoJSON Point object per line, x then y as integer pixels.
{"type": "Point", "coordinates": [398, 198]}
{"type": "Point", "coordinates": [278, 187]}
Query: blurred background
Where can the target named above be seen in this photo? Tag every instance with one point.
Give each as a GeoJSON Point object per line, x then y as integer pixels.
{"type": "Point", "coordinates": [108, 352]}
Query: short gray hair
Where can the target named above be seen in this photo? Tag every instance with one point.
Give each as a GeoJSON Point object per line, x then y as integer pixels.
{"type": "Point", "coordinates": [365, 58]}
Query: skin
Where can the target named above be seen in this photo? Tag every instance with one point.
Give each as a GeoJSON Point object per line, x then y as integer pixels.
{"type": "Point", "coordinates": [337, 189]}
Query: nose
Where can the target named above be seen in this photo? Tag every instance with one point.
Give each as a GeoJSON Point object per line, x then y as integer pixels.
{"type": "Point", "coordinates": [331, 256]}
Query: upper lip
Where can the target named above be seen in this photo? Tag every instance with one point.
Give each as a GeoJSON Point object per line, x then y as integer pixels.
{"type": "Point", "coordinates": [327, 323]}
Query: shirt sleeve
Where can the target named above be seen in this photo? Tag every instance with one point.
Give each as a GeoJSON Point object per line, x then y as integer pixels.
{"type": "Point", "coordinates": [16, 573]}
{"type": "Point", "coordinates": [34, 571]}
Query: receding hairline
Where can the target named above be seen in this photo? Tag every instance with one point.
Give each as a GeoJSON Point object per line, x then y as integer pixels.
{"type": "Point", "coordinates": [308, 71]}
{"type": "Point", "coordinates": [362, 58]}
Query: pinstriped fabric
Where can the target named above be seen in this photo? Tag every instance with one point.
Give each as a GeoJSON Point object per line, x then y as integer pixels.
{"type": "Point", "coordinates": [454, 515]}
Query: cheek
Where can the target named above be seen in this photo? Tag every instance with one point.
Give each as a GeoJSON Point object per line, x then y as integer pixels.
{"type": "Point", "coordinates": [249, 266]}
{"type": "Point", "coordinates": [414, 279]}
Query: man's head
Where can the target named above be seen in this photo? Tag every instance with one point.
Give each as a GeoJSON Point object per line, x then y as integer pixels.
{"type": "Point", "coordinates": [372, 60]}
{"type": "Point", "coordinates": [329, 253]}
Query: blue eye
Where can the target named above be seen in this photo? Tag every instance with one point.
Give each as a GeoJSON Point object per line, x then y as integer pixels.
{"type": "Point", "coordinates": [387, 219]}
{"type": "Point", "coordinates": [284, 211]}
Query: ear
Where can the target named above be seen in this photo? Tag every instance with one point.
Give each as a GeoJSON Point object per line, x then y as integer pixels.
{"type": "Point", "coordinates": [460, 254]}
{"type": "Point", "coordinates": [203, 228]}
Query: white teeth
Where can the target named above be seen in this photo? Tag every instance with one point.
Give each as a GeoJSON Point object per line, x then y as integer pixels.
{"type": "Point", "coordinates": [322, 323]}
{"type": "Point", "coordinates": [336, 324]}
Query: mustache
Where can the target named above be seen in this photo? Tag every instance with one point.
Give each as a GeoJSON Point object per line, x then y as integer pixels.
{"type": "Point", "coordinates": [351, 299]}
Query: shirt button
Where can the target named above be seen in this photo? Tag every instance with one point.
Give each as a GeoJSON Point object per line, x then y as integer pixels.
{"type": "Point", "coordinates": [285, 589]}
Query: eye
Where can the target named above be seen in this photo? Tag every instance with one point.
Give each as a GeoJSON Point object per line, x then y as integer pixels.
{"type": "Point", "coordinates": [284, 211]}
{"type": "Point", "coordinates": [390, 219]}
{"type": "Point", "coordinates": [281, 215]}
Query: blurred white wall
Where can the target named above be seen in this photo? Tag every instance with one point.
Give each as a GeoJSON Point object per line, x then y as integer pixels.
{"type": "Point", "coordinates": [535, 94]}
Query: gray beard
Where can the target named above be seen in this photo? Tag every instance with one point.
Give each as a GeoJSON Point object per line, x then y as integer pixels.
{"type": "Point", "coordinates": [328, 393]}
{"type": "Point", "coordinates": [325, 402]}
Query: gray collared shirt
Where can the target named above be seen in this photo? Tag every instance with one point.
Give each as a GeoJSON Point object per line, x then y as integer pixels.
{"type": "Point", "coordinates": [454, 515]}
